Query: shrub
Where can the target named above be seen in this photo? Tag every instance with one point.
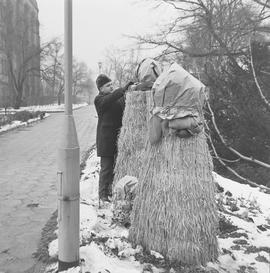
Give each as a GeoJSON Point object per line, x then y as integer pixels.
{"type": "Point", "coordinates": [20, 116]}
{"type": "Point", "coordinates": [23, 116]}
{"type": "Point", "coordinates": [5, 119]}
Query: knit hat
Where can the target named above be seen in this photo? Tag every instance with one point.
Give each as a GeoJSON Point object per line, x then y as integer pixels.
{"type": "Point", "coordinates": [101, 80]}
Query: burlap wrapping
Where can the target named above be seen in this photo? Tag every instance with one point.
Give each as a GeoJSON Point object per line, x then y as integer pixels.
{"type": "Point", "coordinates": [124, 195]}
{"type": "Point", "coordinates": [177, 94]}
{"type": "Point", "coordinates": [147, 72]}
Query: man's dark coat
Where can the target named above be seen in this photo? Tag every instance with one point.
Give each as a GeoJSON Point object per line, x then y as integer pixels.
{"type": "Point", "coordinates": [110, 109]}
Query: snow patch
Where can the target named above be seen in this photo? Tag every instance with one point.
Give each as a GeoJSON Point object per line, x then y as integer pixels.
{"type": "Point", "coordinates": [51, 108]}
{"type": "Point", "coordinates": [105, 247]}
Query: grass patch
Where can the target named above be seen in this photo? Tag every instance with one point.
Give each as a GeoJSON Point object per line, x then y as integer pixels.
{"type": "Point", "coordinates": [254, 249]}
{"type": "Point", "coordinates": [47, 236]}
{"type": "Point", "coordinates": [225, 227]}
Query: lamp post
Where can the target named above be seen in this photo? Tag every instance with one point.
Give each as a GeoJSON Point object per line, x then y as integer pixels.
{"type": "Point", "coordinates": [68, 166]}
{"type": "Point", "coordinates": [99, 67]}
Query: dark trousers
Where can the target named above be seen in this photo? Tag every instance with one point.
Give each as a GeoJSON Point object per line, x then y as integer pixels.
{"type": "Point", "coordinates": [106, 176]}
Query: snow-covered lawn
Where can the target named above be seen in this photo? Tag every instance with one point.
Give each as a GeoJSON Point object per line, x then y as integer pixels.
{"type": "Point", "coordinates": [44, 108]}
{"type": "Point", "coordinates": [244, 239]}
{"type": "Point", "coordinates": [16, 123]}
{"type": "Point", "coordinates": [51, 108]}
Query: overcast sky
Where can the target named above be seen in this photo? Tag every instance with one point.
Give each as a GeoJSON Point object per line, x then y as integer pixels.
{"type": "Point", "coordinates": [100, 24]}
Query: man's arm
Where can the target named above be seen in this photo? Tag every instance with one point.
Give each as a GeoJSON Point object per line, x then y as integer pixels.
{"type": "Point", "coordinates": [122, 102]}
{"type": "Point", "coordinates": [103, 102]}
{"type": "Point", "coordinates": [144, 86]}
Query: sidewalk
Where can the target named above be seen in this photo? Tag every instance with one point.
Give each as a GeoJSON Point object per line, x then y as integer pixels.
{"type": "Point", "coordinates": [28, 193]}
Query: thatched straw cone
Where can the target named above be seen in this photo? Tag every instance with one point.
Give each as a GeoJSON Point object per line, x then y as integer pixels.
{"type": "Point", "coordinates": [174, 211]}
{"type": "Point", "coordinates": [133, 136]}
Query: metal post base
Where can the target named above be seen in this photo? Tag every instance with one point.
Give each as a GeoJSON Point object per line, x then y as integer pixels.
{"type": "Point", "coordinates": [62, 266]}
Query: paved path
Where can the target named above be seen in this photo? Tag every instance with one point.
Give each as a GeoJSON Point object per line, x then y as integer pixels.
{"type": "Point", "coordinates": [28, 176]}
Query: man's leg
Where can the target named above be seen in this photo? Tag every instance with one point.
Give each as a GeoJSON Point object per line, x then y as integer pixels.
{"type": "Point", "coordinates": [111, 183]}
{"type": "Point", "coordinates": [105, 176]}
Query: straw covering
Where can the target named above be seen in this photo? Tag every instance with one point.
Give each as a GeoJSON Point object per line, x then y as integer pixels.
{"type": "Point", "coordinates": [174, 211]}
{"type": "Point", "coordinates": [131, 147]}
{"type": "Point", "coordinates": [132, 137]}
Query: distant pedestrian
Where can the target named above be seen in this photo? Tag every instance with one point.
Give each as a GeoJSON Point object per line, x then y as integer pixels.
{"type": "Point", "coordinates": [110, 106]}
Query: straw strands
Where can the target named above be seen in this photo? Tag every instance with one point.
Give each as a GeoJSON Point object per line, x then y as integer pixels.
{"type": "Point", "coordinates": [133, 135]}
{"type": "Point", "coordinates": [174, 211]}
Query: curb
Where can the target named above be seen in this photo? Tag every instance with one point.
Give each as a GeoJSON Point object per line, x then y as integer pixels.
{"type": "Point", "coordinates": [24, 124]}
{"type": "Point", "coordinates": [62, 111]}
{"type": "Point", "coordinates": [52, 111]}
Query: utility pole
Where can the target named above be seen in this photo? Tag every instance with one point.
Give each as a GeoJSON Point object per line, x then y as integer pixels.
{"type": "Point", "coordinates": [68, 167]}
{"type": "Point", "coordinates": [99, 67]}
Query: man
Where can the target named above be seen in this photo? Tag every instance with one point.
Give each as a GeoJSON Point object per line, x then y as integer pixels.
{"type": "Point", "coordinates": [110, 106]}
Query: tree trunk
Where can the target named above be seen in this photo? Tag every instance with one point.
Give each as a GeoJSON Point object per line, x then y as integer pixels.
{"type": "Point", "coordinates": [59, 98]}
{"type": "Point", "coordinates": [18, 100]}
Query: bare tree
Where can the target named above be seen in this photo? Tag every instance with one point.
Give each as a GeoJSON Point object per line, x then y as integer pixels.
{"type": "Point", "coordinates": [51, 65]}
{"type": "Point", "coordinates": [211, 39]}
{"type": "Point", "coordinates": [121, 65]}
{"type": "Point", "coordinates": [207, 28]}
{"type": "Point", "coordinates": [80, 74]}
{"type": "Point", "coordinates": [86, 87]}
{"type": "Point", "coordinates": [52, 70]}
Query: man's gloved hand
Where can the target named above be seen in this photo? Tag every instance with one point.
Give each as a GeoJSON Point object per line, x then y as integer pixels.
{"type": "Point", "coordinates": [133, 87]}
{"type": "Point", "coordinates": [128, 85]}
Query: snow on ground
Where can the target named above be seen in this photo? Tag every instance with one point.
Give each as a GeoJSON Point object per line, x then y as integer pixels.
{"type": "Point", "coordinates": [244, 239]}
{"type": "Point", "coordinates": [51, 108]}
{"type": "Point", "coordinates": [95, 226]}
{"type": "Point", "coordinates": [16, 124]}
{"type": "Point", "coordinates": [44, 108]}
{"type": "Point", "coordinates": [247, 247]}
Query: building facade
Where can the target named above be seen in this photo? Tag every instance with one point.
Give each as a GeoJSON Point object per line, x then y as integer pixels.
{"type": "Point", "coordinates": [19, 52]}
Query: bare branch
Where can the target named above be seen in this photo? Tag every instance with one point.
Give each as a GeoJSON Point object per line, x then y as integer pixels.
{"type": "Point", "coordinates": [246, 158]}
{"type": "Point", "coordinates": [266, 102]}
{"type": "Point", "coordinates": [247, 181]}
{"type": "Point", "coordinates": [227, 160]}
{"type": "Point", "coordinates": [266, 4]}
{"type": "Point", "coordinates": [265, 29]}
{"type": "Point", "coordinates": [212, 53]}
{"type": "Point", "coordinates": [180, 8]}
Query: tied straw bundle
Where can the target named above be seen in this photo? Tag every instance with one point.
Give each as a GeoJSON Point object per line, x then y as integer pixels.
{"type": "Point", "coordinates": [131, 148]}
{"type": "Point", "coordinates": [174, 211]}
{"type": "Point", "coordinates": [133, 136]}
